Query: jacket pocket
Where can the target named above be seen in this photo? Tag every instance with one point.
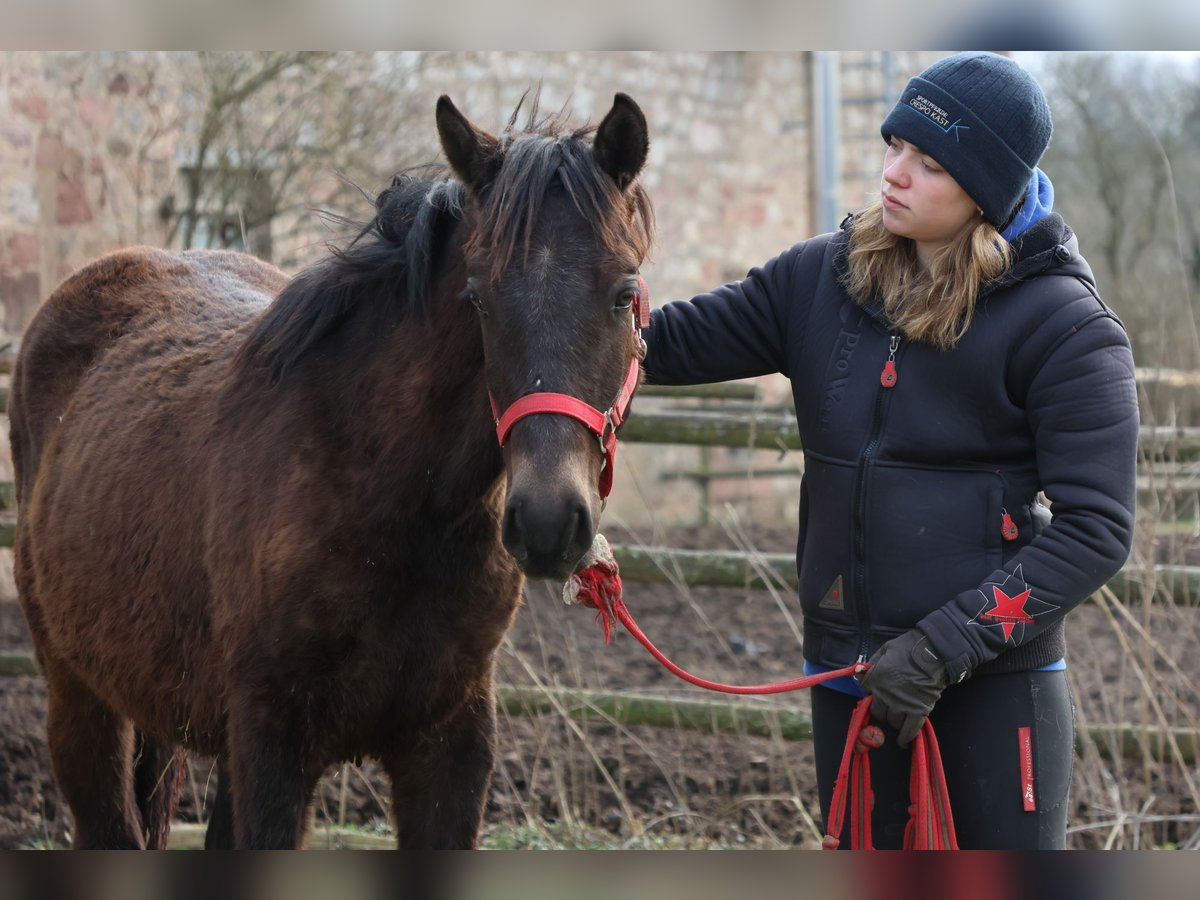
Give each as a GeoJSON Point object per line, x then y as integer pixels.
{"type": "Point", "coordinates": [1031, 518]}
{"type": "Point", "coordinates": [929, 534]}
{"type": "Point", "coordinates": [824, 555]}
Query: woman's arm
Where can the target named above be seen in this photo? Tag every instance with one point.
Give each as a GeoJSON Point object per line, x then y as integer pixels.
{"type": "Point", "coordinates": [1082, 408]}
{"type": "Point", "coordinates": [739, 330]}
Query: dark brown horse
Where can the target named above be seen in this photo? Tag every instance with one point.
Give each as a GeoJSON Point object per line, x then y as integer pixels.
{"type": "Point", "coordinates": [270, 521]}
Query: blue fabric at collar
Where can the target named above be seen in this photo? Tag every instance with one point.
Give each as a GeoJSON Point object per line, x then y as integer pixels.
{"type": "Point", "coordinates": [1039, 201]}
{"type": "Point", "coordinates": [847, 684]}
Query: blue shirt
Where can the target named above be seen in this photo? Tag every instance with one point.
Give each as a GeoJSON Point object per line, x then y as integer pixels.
{"type": "Point", "coordinates": [848, 684]}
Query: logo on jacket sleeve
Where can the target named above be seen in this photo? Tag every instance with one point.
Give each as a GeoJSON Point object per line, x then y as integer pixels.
{"type": "Point", "coordinates": [1010, 606]}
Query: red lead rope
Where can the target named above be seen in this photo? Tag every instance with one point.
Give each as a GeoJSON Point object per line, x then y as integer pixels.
{"type": "Point", "coordinates": [930, 822]}
{"type": "Point", "coordinates": [930, 825]}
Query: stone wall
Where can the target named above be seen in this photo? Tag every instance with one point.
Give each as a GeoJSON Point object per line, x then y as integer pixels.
{"type": "Point", "coordinates": [90, 144]}
{"type": "Point", "coordinates": [84, 146]}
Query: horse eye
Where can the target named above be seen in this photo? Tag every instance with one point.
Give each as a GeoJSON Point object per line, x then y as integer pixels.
{"type": "Point", "coordinates": [472, 296]}
{"type": "Point", "coordinates": [625, 300]}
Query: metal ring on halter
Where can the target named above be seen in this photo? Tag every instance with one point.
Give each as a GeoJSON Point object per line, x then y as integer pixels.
{"type": "Point", "coordinates": [602, 436]}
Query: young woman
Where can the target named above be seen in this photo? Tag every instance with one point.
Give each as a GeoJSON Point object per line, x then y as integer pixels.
{"type": "Point", "coordinates": [951, 361]}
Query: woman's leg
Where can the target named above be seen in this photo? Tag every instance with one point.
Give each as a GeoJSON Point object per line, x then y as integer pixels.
{"type": "Point", "coordinates": [1008, 787]}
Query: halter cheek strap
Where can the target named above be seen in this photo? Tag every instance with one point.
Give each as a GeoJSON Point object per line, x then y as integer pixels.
{"type": "Point", "coordinates": [603, 425]}
{"type": "Point", "coordinates": [641, 306]}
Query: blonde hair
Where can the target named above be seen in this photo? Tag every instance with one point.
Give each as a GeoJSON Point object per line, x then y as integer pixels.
{"type": "Point", "coordinates": [933, 305]}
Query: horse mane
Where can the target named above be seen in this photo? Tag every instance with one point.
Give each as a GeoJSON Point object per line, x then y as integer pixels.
{"type": "Point", "coordinates": [544, 150]}
{"type": "Point", "coordinates": [386, 270]}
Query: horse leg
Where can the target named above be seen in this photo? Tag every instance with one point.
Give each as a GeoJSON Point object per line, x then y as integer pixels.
{"type": "Point", "coordinates": [158, 772]}
{"type": "Point", "coordinates": [439, 786]}
{"type": "Point", "coordinates": [272, 781]}
{"type": "Point", "coordinates": [91, 747]}
{"type": "Point", "coordinates": [219, 834]}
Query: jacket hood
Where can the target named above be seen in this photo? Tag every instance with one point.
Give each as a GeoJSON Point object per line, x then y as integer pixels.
{"type": "Point", "coordinates": [1049, 247]}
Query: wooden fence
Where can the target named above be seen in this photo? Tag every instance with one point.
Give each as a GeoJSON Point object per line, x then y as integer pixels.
{"type": "Point", "coordinates": [742, 717]}
{"type": "Point", "coordinates": [742, 422]}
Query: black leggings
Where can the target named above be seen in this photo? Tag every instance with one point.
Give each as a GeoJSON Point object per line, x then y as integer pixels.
{"type": "Point", "coordinates": [978, 727]}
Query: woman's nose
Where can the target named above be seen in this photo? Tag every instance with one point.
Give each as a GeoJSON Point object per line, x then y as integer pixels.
{"type": "Point", "coordinates": [896, 173]}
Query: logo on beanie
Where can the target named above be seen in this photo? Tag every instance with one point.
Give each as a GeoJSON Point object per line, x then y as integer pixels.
{"type": "Point", "coordinates": [921, 104]}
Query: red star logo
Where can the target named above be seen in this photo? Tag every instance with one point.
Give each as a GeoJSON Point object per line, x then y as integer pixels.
{"type": "Point", "coordinates": [1008, 611]}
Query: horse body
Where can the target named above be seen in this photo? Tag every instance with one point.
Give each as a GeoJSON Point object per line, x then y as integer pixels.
{"type": "Point", "coordinates": [288, 576]}
{"type": "Point", "coordinates": [117, 420]}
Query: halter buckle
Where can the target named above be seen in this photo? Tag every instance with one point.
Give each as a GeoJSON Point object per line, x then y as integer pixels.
{"type": "Point", "coordinates": [606, 437]}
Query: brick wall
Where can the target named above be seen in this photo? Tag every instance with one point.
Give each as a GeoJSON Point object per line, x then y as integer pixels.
{"type": "Point", "coordinates": [90, 145]}
{"type": "Point", "coordinates": [81, 165]}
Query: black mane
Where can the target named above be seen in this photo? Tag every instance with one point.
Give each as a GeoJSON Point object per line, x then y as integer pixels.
{"type": "Point", "coordinates": [385, 271]}
{"type": "Point", "coordinates": [546, 152]}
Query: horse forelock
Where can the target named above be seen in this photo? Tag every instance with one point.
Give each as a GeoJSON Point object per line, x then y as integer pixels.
{"type": "Point", "coordinates": [533, 160]}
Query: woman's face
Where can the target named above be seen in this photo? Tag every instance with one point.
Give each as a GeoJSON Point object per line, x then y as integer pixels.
{"type": "Point", "coordinates": [921, 200]}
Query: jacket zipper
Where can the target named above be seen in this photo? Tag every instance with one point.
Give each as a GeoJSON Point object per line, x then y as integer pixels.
{"type": "Point", "coordinates": [888, 376]}
{"type": "Point", "coordinates": [887, 381]}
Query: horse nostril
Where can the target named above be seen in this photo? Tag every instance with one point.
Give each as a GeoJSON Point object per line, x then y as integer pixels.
{"type": "Point", "coordinates": [547, 539]}
{"type": "Point", "coordinates": [581, 534]}
{"type": "Point", "coordinates": [513, 533]}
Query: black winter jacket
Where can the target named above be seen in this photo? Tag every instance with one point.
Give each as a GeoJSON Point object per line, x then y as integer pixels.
{"type": "Point", "coordinates": [911, 492]}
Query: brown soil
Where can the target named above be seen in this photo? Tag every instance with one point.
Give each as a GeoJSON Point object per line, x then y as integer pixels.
{"type": "Point", "coordinates": [602, 778]}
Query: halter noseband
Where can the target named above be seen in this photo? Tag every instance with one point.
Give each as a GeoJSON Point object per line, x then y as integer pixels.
{"type": "Point", "coordinates": [603, 425]}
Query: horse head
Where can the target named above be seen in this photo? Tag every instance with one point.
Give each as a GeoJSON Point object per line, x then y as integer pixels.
{"type": "Point", "coordinates": [559, 226]}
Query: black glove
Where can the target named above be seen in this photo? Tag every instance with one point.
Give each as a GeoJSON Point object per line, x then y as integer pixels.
{"type": "Point", "coordinates": [906, 677]}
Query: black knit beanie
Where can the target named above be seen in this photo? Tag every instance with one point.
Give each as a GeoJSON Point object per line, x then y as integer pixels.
{"type": "Point", "coordinates": [984, 119]}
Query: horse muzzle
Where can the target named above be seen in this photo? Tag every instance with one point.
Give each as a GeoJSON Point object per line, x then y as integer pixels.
{"type": "Point", "coordinates": [548, 532]}
{"type": "Point", "coordinates": [548, 528]}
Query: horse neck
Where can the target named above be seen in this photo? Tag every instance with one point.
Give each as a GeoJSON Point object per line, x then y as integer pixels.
{"type": "Point", "coordinates": [414, 409]}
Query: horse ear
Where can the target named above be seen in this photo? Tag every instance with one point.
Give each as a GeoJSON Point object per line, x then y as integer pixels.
{"type": "Point", "coordinates": [474, 154]}
{"type": "Point", "coordinates": [622, 141]}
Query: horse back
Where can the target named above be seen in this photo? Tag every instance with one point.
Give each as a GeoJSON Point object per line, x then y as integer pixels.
{"type": "Point", "coordinates": [123, 293]}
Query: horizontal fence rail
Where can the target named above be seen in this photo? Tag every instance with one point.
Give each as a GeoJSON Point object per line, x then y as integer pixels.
{"type": "Point", "coordinates": [754, 570]}
{"type": "Point", "coordinates": [773, 430]}
{"type": "Point", "coordinates": [739, 717]}
{"type": "Point", "coordinates": [719, 390]}
{"type": "Point", "coordinates": [761, 720]}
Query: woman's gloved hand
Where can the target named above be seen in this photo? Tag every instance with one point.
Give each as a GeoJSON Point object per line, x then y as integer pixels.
{"type": "Point", "coordinates": [906, 678]}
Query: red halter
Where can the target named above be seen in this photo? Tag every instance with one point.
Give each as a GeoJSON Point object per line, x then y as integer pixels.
{"type": "Point", "coordinates": [603, 425]}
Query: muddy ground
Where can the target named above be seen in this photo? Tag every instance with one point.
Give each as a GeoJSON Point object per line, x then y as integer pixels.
{"type": "Point", "coordinates": [611, 781]}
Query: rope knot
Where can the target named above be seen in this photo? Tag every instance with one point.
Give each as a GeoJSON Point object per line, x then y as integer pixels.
{"type": "Point", "coordinates": [869, 738]}
{"type": "Point", "coordinates": [597, 585]}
